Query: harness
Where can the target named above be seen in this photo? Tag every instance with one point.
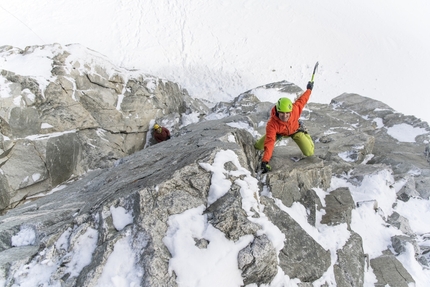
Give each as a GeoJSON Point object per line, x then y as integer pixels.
{"type": "Point", "coordinates": [302, 129]}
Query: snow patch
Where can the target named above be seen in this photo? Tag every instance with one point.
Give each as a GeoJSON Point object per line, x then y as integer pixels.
{"type": "Point", "coordinates": [121, 217]}
{"type": "Point", "coordinates": [405, 133]}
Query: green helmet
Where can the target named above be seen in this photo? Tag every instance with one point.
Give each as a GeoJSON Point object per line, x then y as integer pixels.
{"type": "Point", "coordinates": [284, 105]}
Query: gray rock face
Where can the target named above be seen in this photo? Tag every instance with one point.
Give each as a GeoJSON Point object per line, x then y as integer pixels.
{"type": "Point", "coordinates": [389, 271]}
{"type": "Point", "coordinates": [88, 115]}
{"type": "Point", "coordinates": [339, 204]}
{"type": "Point", "coordinates": [296, 183]}
{"type": "Point", "coordinates": [400, 223]}
{"type": "Point", "coordinates": [90, 121]}
{"type": "Point", "coordinates": [302, 257]}
{"type": "Point", "coordinates": [258, 261]}
{"type": "Point", "coordinates": [227, 215]}
{"type": "Point", "coordinates": [350, 266]}
{"type": "Point", "coordinates": [399, 243]}
{"type": "Point", "coordinates": [23, 122]}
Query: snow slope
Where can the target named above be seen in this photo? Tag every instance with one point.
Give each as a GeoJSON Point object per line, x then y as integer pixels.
{"type": "Point", "coordinates": [217, 48]}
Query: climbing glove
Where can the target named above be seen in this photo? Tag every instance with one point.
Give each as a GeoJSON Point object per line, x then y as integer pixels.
{"type": "Point", "coordinates": [310, 85]}
{"type": "Point", "coordinates": [265, 167]}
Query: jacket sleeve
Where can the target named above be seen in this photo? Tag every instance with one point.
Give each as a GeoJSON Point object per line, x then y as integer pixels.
{"type": "Point", "coordinates": [301, 102]}
{"type": "Point", "coordinates": [269, 142]}
{"type": "Point", "coordinates": [167, 132]}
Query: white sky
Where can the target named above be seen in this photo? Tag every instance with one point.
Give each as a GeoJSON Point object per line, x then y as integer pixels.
{"type": "Point", "coordinates": [218, 48]}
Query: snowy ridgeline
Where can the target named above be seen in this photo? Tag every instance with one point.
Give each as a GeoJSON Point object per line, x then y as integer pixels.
{"type": "Point", "coordinates": [209, 219]}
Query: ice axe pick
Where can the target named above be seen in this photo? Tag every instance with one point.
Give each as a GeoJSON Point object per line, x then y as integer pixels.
{"type": "Point", "coordinates": [313, 74]}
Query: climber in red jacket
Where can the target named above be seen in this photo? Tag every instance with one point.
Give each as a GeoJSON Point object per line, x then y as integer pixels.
{"type": "Point", "coordinates": [284, 122]}
{"type": "Point", "coordinates": [160, 133]}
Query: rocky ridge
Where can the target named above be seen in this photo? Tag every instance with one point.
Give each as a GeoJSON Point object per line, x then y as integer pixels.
{"type": "Point", "coordinates": [155, 183]}
{"type": "Point", "coordinates": [82, 114]}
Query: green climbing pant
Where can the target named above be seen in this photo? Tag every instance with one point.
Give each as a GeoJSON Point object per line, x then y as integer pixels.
{"type": "Point", "coordinates": [303, 140]}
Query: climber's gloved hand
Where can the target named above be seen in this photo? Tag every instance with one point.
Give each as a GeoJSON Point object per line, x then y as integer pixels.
{"type": "Point", "coordinates": [310, 85]}
{"type": "Point", "coordinates": [265, 167]}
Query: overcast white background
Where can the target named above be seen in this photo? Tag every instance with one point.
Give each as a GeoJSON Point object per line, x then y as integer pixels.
{"type": "Point", "coordinates": [218, 48]}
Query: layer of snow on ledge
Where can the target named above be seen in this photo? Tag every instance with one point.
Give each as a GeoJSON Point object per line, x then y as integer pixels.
{"type": "Point", "coordinates": [190, 119]}
{"type": "Point", "coordinates": [121, 217]}
{"type": "Point", "coordinates": [121, 269]}
{"type": "Point", "coordinates": [35, 62]}
{"type": "Point", "coordinates": [379, 123]}
{"type": "Point", "coordinates": [405, 133]}
{"type": "Point", "coordinates": [46, 126]}
{"type": "Point", "coordinates": [82, 252]}
{"type": "Point", "coordinates": [46, 136]}
{"type": "Point", "coordinates": [26, 236]}
{"type": "Point", "coordinates": [215, 265]}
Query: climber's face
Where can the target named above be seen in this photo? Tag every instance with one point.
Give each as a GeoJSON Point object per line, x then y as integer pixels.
{"type": "Point", "coordinates": [284, 116]}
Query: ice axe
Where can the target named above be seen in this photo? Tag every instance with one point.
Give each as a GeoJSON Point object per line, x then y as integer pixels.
{"type": "Point", "coordinates": [313, 74]}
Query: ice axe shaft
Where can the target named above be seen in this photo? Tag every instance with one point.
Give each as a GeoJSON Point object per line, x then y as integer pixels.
{"type": "Point", "coordinates": [313, 74]}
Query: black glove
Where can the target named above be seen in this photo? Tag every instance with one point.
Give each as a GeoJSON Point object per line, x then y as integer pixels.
{"type": "Point", "coordinates": [265, 167]}
{"type": "Point", "coordinates": [168, 137]}
{"type": "Point", "coordinates": [310, 85]}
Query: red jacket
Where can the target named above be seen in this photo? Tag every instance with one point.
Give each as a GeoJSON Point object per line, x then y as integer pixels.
{"type": "Point", "coordinates": [277, 127]}
{"type": "Point", "coordinates": [164, 135]}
